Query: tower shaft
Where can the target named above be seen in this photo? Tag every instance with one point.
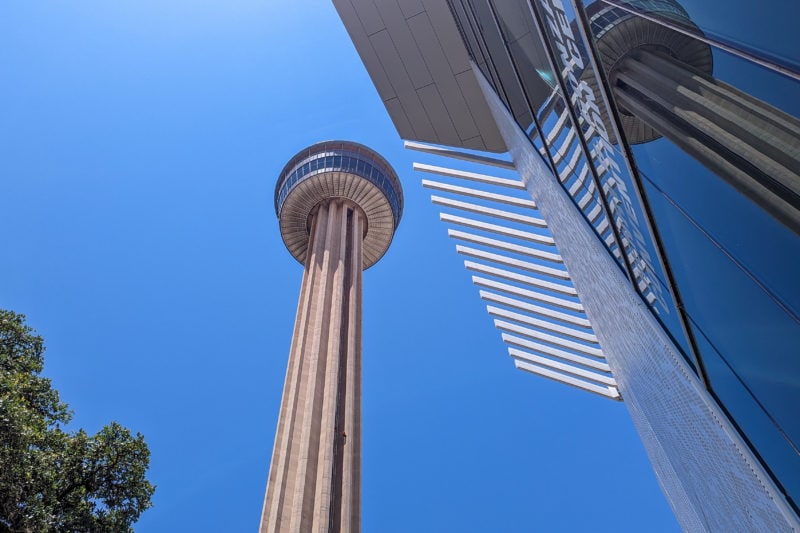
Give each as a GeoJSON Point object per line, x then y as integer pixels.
{"type": "Point", "coordinates": [747, 142]}
{"type": "Point", "coordinates": [315, 473]}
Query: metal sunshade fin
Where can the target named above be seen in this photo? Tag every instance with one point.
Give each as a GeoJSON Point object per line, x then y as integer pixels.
{"type": "Point", "coordinates": [532, 299]}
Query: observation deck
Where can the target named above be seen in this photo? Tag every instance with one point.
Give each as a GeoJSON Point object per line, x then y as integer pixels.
{"type": "Point", "coordinates": [338, 169]}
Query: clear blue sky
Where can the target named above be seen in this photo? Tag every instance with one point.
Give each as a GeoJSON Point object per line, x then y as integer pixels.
{"type": "Point", "coordinates": [139, 146]}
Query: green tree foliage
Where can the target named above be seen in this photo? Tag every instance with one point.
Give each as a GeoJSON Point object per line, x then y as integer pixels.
{"type": "Point", "coordinates": [52, 479]}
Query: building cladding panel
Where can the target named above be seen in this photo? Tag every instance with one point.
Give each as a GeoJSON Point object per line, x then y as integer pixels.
{"type": "Point", "coordinates": [421, 69]}
{"type": "Point", "coordinates": [664, 138]}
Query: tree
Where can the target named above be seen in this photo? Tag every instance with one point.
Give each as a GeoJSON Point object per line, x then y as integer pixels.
{"type": "Point", "coordinates": [52, 479]}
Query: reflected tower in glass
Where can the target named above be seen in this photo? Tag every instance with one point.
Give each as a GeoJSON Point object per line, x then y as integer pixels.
{"type": "Point", "coordinates": [663, 81]}
{"type": "Point", "coordinates": [338, 205]}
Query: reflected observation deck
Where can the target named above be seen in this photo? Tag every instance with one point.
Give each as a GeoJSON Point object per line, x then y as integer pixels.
{"type": "Point", "coordinates": [338, 205]}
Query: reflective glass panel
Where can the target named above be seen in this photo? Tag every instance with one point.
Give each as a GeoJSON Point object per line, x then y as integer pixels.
{"type": "Point", "coordinates": [751, 417]}
{"type": "Point", "coordinates": [767, 28]}
{"type": "Point", "coordinates": [752, 335]}
{"type": "Point", "coordinates": [577, 71]}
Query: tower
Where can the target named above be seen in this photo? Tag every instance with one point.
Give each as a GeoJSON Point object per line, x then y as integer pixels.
{"type": "Point", "coordinates": [338, 204]}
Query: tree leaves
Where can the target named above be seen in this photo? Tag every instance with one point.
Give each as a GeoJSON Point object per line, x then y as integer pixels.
{"type": "Point", "coordinates": [52, 480]}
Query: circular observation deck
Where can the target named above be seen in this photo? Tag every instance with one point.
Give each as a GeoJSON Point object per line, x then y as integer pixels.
{"type": "Point", "coordinates": [620, 35]}
{"type": "Point", "coordinates": [338, 169]}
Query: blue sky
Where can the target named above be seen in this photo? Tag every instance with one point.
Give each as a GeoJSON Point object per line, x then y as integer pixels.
{"type": "Point", "coordinates": [139, 146]}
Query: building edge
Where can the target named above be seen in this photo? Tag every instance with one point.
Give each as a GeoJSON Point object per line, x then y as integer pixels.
{"type": "Point", "coordinates": [710, 477]}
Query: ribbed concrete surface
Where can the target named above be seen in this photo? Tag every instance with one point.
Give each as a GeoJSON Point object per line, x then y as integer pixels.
{"type": "Point", "coordinates": [315, 473]}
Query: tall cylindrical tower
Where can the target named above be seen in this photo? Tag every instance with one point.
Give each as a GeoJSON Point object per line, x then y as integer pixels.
{"type": "Point", "coordinates": [338, 204]}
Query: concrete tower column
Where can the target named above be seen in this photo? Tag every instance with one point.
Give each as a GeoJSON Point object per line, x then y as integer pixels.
{"type": "Point", "coordinates": [335, 216]}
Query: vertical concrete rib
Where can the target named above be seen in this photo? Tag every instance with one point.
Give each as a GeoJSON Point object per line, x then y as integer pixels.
{"type": "Point", "coordinates": [314, 478]}
{"type": "Point", "coordinates": [279, 477]}
{"type": "Point", "coordinates": [350, 488]}
{"type": "Point", "coordinates": [304, 459]}
{"type": "Point", "coordinates": [330, 376]}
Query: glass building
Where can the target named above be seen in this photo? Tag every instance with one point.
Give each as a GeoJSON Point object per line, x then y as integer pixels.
{"type": "Point", "coordinates": [661, 141]}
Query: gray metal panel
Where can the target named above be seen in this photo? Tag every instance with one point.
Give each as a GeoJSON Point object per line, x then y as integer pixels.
{"type": "Point", "coordinates": [399, 117]}
{"type": "Point", "coordinates": [411, 8]}
{"type": "Point", "coordinates": [403, 40]}
{"type": "Point", "coordinates": [360, 36]}
{"type": "Point", "coordinates": [448, 35]}
{"type": "Point", "coordinates": [400, 80]}
{"type": "Point", "coordinates": [475, 100]}
{"type": "Point", "coordinates": [407, 45]}
{"type": "Point", "coordinates": [474, 143]}
{"type": "Point", "coordinates": [440, 69]}
{"type": "Point", "coordinates": [369, 16]}
{"type": "Point", "coordinates": [440, 118]}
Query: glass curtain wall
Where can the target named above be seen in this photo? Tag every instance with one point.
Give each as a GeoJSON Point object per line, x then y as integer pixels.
{"type": "Point", "coordinates": [674, 128]}
{"type": "Point", "coordinates": [720, 172]}
{"type": "Point", "coordinates": [505, 42]}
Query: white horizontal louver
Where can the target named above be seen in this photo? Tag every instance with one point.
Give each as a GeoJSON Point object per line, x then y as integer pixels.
{"type": "Point", "coordinates": [519, 272]}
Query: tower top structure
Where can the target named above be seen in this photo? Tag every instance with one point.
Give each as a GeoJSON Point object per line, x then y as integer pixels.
{"type": "Point", "coordinates": [339, 169]}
